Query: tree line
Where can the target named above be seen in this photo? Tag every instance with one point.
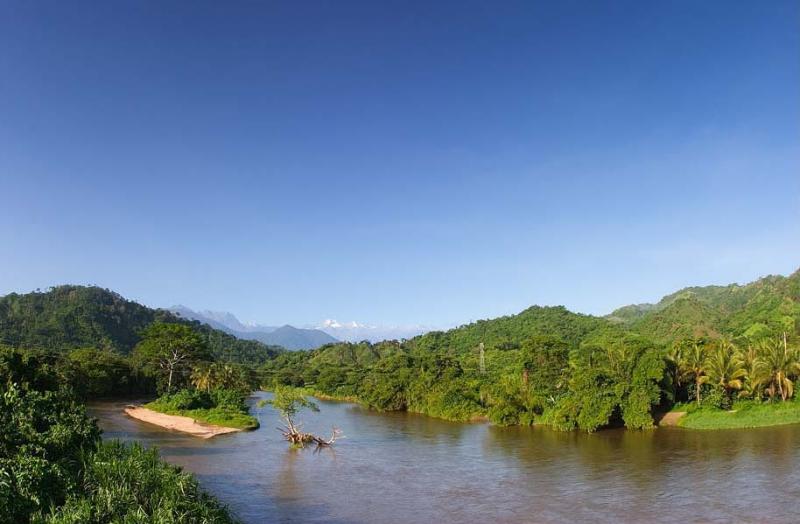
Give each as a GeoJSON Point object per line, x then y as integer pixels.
{"type": "Point", "coordinates": [609, 379]}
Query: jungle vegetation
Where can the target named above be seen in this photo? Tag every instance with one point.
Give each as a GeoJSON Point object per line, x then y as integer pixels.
{"type": "Point", "coordinates": [54, 468]}
{"type": "Point", "coordinates": [713, 347]}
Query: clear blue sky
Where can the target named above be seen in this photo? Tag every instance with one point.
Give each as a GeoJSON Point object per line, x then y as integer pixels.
{"type": "Point", "coordinates": [398, 162]}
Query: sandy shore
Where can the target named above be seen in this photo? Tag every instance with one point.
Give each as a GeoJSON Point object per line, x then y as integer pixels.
{"type": "Point", "coordinates": [671, 419]}
{"type": "Point", "coordinates": [184, 424]}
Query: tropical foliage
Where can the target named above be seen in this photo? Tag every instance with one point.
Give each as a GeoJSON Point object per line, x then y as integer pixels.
{"type": "Point", "coordinates": [54, 469]}
{"type": "Point", "coordinates": [221, 407]}
{"type": "Point", "coordinates": [168, 351]}
{"type": "Point", "coordinates": [712, 346]}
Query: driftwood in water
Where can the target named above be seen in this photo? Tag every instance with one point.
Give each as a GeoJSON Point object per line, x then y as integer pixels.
{"type": "Point", "coordinates": [289, 401]}
{"type": "Point", "coordinates": [293, 434]}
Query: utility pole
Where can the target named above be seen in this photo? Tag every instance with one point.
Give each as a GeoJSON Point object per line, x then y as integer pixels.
{"type": "Point", "coordinates": [482, 359]}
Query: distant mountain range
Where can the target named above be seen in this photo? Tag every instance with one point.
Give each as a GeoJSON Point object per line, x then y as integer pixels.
{"type": "Point", "coordinates": [286, 336]}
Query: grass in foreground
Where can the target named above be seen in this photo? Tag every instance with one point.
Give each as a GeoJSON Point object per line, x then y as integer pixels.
{"type": "Point", "coordinates": [128, 483]}
{"type": "Point", "coordinates": [218, 408]}
{"type": "Point", "coordinates": [743, 415]}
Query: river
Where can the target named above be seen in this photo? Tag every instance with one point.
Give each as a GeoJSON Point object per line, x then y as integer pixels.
{"type": "Point", "coordinates": [406, 468]}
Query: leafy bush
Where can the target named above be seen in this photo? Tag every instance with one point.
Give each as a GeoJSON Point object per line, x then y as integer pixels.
{"type": "Point", "coordinates": [52, 471]}
{"type": "Point", "coordinates": [130, 484]}
{"type": "Point", "coordinates": [220, 407]}
{"type": "Point", "coordinates": [43, 435]}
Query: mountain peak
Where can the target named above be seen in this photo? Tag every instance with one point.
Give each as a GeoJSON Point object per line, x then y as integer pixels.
{"type": "Point", "coordinates": [287, 336]}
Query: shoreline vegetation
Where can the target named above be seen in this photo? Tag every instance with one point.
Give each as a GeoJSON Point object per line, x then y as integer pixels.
{"type": "Point", "coordinates": [717, 348]}
{"type": "Point", "coordinates": [744, 415]}
{"type": "Point", "coordinates": [219, 408]}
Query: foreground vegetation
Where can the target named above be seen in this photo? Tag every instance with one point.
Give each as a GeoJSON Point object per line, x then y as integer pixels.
{"type": "Point", "coordinates": [54, 469]}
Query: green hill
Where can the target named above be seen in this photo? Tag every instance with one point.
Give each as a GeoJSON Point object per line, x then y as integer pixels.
{"type": "Point", "coordinates": [768, 305]}
{"type": "Point", "coordinates": [510, 331]}
{"type": "Point", "coordinates": [67, 317]}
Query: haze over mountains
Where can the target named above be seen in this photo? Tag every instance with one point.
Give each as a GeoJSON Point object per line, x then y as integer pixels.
{"type": "Point", "coordinates": [286, 336]}
{"type": "Point", "coordinates": [307, 337]}
{"type": "Point", "coordinates": [356, 331]}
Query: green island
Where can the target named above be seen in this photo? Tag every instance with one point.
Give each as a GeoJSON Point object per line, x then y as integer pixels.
{"type": "Point", "coordinates": [218, 407]}
{"type": "Point", "coordinates": [728, 356]}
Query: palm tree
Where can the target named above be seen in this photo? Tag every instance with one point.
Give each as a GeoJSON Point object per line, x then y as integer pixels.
{"type": "Point", "coordinates": [674, 359]}
{"type": "Point", "coordinates": [776, 364]}
{"type": "Point", "coordinates": [725, 368]}
{"type": "Point", "coordinates": [752, 386]}
{"type": "Point", "coordinates": [693, 365]}
{"type": "Point", "coordinates": [203, 377]}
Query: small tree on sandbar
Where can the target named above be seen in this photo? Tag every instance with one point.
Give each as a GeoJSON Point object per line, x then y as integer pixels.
{"type": "Point", "coordinates": [289, 402]}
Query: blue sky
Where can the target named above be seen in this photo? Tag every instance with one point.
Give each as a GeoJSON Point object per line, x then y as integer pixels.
{"type": "Point", "coordinates": [397, 162]}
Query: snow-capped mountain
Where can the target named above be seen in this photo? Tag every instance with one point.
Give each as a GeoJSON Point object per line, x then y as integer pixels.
{"type": "Point", "coordinates": [287, 336]}
{"type": "Point", "coordinates": [356, 331]}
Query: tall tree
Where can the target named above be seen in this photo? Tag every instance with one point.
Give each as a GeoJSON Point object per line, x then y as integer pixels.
{"type": "Point", "coordinates": [777, 365]}
{"type": "Point", "coordinates": [694, 366]}
{"type": "Point", "coordinates": [170, 350]}
{"type": "Point", "coordinates": [725, 368]}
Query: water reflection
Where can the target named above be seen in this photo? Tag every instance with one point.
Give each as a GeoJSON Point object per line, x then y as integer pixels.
{"type": "Point", "coordinates": [403, 467]}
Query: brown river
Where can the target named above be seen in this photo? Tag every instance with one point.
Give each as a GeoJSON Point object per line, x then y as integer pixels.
{"type": "Point", "coordinates": [406, 468]}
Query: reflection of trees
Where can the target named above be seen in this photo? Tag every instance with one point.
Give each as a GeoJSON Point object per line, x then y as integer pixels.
{"type": "Point", "coordinates": [639, 472]}
{"type": "Point", "coordinates": [288, 486]}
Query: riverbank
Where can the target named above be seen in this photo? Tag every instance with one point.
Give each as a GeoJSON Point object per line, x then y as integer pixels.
{"type": "Point", "coordinates": [480, 418]}
{"type": "Point", "coordinates": [178, 423]}
{"type": "Point", "coordinates": [367, 477]}
{"type": "Point", "coordinates": [744, 415]}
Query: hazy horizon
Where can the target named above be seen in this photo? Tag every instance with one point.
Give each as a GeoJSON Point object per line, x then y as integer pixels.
{"type": "Point", "coordinates": [321, 323]}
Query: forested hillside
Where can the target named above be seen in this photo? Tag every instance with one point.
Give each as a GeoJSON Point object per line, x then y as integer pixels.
{"type": "Point", "coordinates": [68, 317]}
{"type": "Point", "coordinates": [511, 331]}
{"type": "Point", "coordinates": [768, 305]}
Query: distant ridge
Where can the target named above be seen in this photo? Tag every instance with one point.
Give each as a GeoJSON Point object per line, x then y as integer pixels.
{"type": "Point", "coordinates": [769, 304]}
{"type": "Point", "coordinates": [287, 336]}
{"type": "Point", "coordinates": [66, 317]}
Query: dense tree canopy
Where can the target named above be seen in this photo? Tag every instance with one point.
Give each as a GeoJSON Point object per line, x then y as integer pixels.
{"type": "Point", "coordinates": [169, 351]}
{"type": "Point", "coordinates": [710, 345]}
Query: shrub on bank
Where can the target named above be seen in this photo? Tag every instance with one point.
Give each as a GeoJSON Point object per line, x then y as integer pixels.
{"type": "Point", "coordinates": [220, 407]}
